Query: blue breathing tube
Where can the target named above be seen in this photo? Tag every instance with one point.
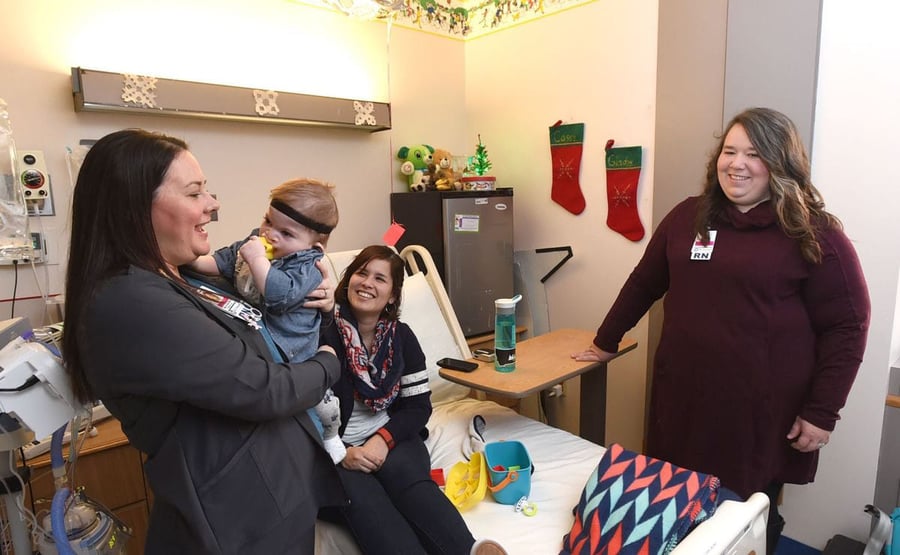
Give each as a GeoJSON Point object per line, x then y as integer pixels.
{"type": "Point", "coordinates": [58, 506]}
{"type": "Point", "coordinates": [58, 521]}
{"type": "Point", "coordinates": [56, 441]}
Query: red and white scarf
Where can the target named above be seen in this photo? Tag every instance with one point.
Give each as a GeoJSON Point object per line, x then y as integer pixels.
{"type": "Point", "coordinates": [375, 380]}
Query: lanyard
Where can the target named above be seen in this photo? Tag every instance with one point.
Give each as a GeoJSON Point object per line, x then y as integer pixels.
{"type": "Point", "coordinates": [252, 316]}
{"type": "Point", "coordinates": [203, 291]}
{"type": "Point", "coordinates": [232, 307]}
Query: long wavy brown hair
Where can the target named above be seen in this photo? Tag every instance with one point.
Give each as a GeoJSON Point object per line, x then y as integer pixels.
{"type": "Point", "coordinates": [798, 204]}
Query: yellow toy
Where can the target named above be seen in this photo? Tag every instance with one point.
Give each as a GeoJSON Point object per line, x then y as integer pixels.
{"type": "Point", "coordinates": [467, 482]}
{"type": "Point", "coordinates": [270, 250]}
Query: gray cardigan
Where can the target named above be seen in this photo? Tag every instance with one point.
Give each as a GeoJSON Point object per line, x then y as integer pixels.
{"type": "Point", "coordinates": [234, 462]}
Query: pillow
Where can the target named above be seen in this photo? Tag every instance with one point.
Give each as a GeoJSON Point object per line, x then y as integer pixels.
{"type": "Point", "coordinates": [420, 311]}
{"type": "Point", "coordinates": [340, 260]}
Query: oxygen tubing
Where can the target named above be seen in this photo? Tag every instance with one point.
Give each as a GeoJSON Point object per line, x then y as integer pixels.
{"type": "Point", "coordinates": [56, 441]}
{"type": "Point", "coordinates": [58, 521]}
{"type": "Point", "coordinates": [58, 506]}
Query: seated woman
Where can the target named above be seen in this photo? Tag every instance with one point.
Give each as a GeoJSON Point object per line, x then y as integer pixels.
{"type": "Point", "coordinates": [395, 507]}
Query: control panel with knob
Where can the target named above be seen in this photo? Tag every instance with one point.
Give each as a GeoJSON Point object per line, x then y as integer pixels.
{"type": "Point", "coordinates": [32, 171]}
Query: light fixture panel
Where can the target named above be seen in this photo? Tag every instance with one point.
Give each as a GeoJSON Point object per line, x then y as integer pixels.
{"type": "Point", "coordinates": [102, 91]}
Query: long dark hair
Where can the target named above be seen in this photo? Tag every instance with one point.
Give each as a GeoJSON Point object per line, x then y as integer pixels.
{"type": "Point", "coordinates": [398, 271]}
{"type": "Point", "coordinates": [798, 204]}
{"type": "Point", "coordinates": [111, 226]}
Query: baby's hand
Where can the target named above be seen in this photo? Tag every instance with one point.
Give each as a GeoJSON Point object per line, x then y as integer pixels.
{"type": "Point", "coordinates": [253, 249]}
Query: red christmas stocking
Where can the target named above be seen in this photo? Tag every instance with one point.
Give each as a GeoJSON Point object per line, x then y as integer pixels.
{"type": "Point", "coordinates": [623, 168]}
{"type": "Point", "coordinates": [565, 152]}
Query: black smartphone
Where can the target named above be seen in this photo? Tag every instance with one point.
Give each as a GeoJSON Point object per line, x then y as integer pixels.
{"type": "Point", "coordinates": [456, 364]}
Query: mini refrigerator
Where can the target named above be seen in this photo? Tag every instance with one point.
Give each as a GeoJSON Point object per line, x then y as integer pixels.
{"type": "Point", "coordinates": [470, 237]}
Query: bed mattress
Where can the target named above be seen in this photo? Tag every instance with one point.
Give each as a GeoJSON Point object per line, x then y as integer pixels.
{"type": "Point", "coordinates": [562, 464]}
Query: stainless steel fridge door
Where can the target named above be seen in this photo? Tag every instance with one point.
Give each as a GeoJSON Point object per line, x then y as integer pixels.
{"type": "Point", "coordinates": [478, 256]}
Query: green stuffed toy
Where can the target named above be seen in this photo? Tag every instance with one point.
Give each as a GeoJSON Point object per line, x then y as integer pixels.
{"type": "Point", "coordinates": [416, 161]}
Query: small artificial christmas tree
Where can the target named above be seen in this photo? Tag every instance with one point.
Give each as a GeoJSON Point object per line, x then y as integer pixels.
{"type": "Point", "coordinates": [480, 163]}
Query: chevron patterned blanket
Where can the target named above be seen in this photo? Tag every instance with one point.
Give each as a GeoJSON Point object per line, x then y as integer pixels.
{"type": "Point", "coordinates": [634, 504]}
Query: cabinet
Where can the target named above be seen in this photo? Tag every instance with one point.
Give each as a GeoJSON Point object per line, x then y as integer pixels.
{"type": "Point", "coordinates": [111, 472]}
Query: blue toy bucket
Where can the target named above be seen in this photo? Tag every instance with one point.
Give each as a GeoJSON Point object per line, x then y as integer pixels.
{"type": "Point", "coordinates": [510, 470]}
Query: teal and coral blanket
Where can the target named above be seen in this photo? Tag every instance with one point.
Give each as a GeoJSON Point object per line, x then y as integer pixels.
{"type": "Point", "coordinates": [634, 504]}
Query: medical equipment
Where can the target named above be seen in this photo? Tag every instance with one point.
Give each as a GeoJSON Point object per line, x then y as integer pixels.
{"type": "Point", "coordinates": [15, 240]}
{"type": "Point", "coordinates": [36, 400]}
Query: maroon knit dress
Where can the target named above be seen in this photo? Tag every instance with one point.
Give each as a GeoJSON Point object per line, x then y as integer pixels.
{"type": "Point", "coordinates": [752, 338]}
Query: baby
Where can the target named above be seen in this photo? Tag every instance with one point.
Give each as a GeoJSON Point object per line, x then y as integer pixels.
{"type": "Point", "coordinates": [275, 268]}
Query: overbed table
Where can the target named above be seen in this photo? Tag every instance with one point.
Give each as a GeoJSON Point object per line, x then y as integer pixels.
{"type": "Point", "coordinates": [541, 363]}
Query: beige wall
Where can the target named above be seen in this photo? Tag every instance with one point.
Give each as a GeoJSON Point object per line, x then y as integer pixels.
{"type": "Point", "coordinates": [594, 64]}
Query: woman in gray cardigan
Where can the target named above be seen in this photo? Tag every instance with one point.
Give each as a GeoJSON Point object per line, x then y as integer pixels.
{"type": "Point", "coordinates": [235, 463]}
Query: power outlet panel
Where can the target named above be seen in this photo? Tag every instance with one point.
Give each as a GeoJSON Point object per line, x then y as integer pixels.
{"type": "Point", "coordinates": [31, 169]}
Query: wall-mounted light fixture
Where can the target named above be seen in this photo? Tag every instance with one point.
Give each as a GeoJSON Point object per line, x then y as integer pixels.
{"type": "Point", "coordinates": [102, 91]}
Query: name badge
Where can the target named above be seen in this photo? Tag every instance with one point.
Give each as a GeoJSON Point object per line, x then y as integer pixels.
{"type": "Point", "coordinates": [701, 251]}
{"type": "Point", "coordinates": [232, 307]}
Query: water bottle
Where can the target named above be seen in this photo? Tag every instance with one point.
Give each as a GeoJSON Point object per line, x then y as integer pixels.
{"type": "Point", "coordinates": [505, 334]}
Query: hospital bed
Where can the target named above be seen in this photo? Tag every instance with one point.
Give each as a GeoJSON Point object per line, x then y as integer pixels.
{"type": "Point", "coordinates": [562, 461]}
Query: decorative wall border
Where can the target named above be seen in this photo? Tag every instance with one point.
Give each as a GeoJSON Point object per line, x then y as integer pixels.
{"type": "Point", "coordinates": [472, 19]}
{"type": "Point", "coordinates": [464, 20]}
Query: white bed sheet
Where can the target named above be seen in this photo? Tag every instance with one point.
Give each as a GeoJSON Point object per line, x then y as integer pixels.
{"type": "Point", "coordinates": [562, 464]}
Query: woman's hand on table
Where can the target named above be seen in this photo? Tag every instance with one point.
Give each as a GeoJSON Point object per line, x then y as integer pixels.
{"type": "Point", "coordinates": [593, 354]}
{"type": "Point", "coordinates": [322, 297]}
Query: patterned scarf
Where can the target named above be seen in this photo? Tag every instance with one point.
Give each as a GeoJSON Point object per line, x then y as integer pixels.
{"type": "Point", "coordinates": [375, 380]}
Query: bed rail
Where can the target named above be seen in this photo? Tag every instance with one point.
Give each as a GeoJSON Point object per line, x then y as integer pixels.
{"type": "Point", "coordinates": [413, 255]}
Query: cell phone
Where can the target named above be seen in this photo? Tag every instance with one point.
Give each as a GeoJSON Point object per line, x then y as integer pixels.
{"type": "Point", "coordinates": [486, 355]}
{"type": "Point", "coordinates": [456, 364]}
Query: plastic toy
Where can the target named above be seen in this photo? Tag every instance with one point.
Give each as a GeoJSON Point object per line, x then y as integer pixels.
{"type": "Point", "coordinates": [270, 250]}
{"type": "Point", "coordinates": [467, 482]}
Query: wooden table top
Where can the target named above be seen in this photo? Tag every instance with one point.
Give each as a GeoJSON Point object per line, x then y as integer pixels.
{"type": "Point", "coordinates": [541, 362]}
{"type": "Point", "coordinates": [109, 435]}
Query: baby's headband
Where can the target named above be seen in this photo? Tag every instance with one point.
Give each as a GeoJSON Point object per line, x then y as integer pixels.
{"type": "Point", "coordinates": [286, 209]}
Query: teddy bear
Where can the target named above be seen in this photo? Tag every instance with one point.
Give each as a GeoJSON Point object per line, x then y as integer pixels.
{"type": "Point", "coordinates": [442, 175]}
{"type": "Point", "coordinates": [416, 162]}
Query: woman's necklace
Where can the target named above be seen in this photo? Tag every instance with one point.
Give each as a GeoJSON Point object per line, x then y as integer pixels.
{"type": "Point", "coordinates": [232, 307]}
{"type": "Point", "coordinates": [368, 340]}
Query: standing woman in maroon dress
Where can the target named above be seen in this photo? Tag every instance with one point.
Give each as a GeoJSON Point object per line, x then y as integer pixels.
{"type": "Point", "coordinates": [766, 317]}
